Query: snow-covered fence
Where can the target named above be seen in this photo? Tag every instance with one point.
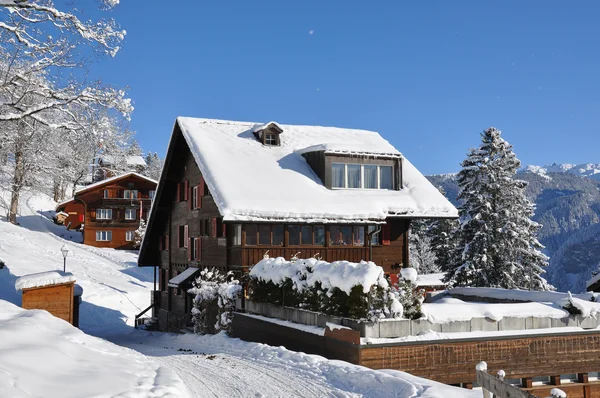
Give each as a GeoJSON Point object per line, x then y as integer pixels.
{"type": "Point", "coordinates": [497, 386]}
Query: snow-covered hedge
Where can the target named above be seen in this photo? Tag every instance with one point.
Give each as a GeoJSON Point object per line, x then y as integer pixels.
{"type": "Point", "coordinates": [214, 302]}
{"type": "Point", "coordinates": [342, 288]}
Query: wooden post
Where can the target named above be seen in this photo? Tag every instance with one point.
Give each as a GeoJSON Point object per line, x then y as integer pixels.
{"type": "Point", "coordinates": [587, 390]}
{"type": "Point", "coordinates": [555, 380]}
{"type": "Point", "coordinates": [497, 385]}
{"type": "Point", "coordinates": [526, 382]}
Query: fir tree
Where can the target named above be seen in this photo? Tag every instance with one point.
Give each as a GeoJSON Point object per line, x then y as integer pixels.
{"type": "Point", "coordinates": [422, 255]}
{"type": "Point", "coordinates": [138, 235]}
{"type": "Point", "coordinates": [443, 239]}
{"type": "Point", "coordinates": [497, 243]}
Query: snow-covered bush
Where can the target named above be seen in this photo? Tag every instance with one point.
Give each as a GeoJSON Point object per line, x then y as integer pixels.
{"type": "Point", "coordinates": [214, 302]}
{"type": "Point", "coordinates": [354, 290]}
{"type": "Point", "coordinates": [410, 297]}
{"type": "Point", "coordinates": [138, 235]}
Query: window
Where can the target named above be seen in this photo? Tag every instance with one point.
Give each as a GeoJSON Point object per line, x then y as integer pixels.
{"type": "Point", "coordinates": [359, 235]}
{"type": "Point", "coordinates": [354, 175]}
{"type": "Point", "coordinates": [293, 235]}
{"type": "Point", "coordinates": [277, 235]}
{"type": "Point", "coordinates": [367, 176]}
{"type": "Point", "coordinates": [237, 234]}
{"type": "Point", "coordinates": [251, 232]}
{"type": "Point", "coordinates": [151, 194]}
{"type": "Point", "coordinates": [193, 249]}
{"type": "Point", "coordinates": [370, 176]}
{"type": "Point", "coordinates": [103, 236]}
{"type": "Point", "coordinates": [195, 197]}
{"type": "Point", "coordinates": [319, 231]}
{"type": "Point", "coordinates": [106, 194]}
{"type": "Point", "coordinates": [340, 235]}
{"type": "Point", "coordinates": [104, 214]}
{"type": "Point", "coordinates": [386, 177]}
{"type": "Point", "coordinates": [306, 235]}
{"type": "Point", "coordinates": [183, 236]}
{"type": "Point", "coordinates": [130, 214]}
{"type": "Point", "coordinates": [338, 176]}
{"type": "Point", "coordinates": [130, 194]}
{"type": "Point", "coordinates": [129, 235]}
{"type": "Point", "coordinates": [270, 139]}
{"type": "Point", "coordinates": [264, 234]}
{"type": "Point", "coordinates": [375, 238]}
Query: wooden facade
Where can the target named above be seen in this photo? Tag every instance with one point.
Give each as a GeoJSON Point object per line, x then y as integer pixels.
{"type": "Point", "coordinates": [110, 211]}
{"type": "Point", "coordinates": [75, 211]}
{"type": "Point", "coordinates": [56, 299]}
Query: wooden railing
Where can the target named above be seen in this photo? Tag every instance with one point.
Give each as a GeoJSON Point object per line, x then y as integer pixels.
{"type": "Point", "coordinates": [252, 255]}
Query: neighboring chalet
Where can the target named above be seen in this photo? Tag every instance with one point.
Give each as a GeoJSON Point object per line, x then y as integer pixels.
{"type": "Point", "coordinates": [232, 191]}
{"type": "Point", "coordinates": [109, 211]}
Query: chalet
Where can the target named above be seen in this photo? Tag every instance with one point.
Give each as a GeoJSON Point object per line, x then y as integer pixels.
{"type": "Point", "coordinates": [110, 210]}
{"type": "Point", "coordinates": [232, 191]}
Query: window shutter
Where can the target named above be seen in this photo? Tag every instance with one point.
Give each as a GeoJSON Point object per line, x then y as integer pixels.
{"type": "Point", "coordinates": [186, 190]}
{"type": "Point", "coordinates": [160, 242]}
{"type": "Point", "coordinates": [385, 234]}
{"type": "Point", "coordinates": [191, 196]}
{"type": "Point", "coordinates": [179, 192]}
{"type": "Point", "coordinates": [81, 218]}
{"type": "Point", "coordinates": [189, 245]}
{"type": "Point", "coordinates": [224, 228]}
{"type": "Point", "coordinates": [186, 235]}
{"type": "Point", "coordinates": [167, 242]}
{"type": "Point", "coordinates": [198, 243]}
{"type": "Point", "coordinates": [214, 227]}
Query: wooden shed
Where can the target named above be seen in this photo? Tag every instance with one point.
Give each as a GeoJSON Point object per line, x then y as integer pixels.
{"type": "Point", "coordinates": [52, 291]}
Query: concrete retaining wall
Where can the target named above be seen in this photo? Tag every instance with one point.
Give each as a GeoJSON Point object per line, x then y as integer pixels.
{"type": "Point", "coordinates": [405, 327]}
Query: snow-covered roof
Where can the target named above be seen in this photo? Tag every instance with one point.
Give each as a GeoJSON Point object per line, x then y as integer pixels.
{"type": "Point", "coordinates": [262, 126]}
{"type": "Point", "coordinates": [113, 179]}
{"type": "Point", "coordinates": [184, 276]}
{"type": "Point", "coordinates": [593, 281]}
{"type": "Point", "coordinates": [62, 213]}
{"type": "Point", "coordinates": [41, 279]}
{"type": "Point", "coordinates": [252, 182]}
{"type": "Point", "coordinates": [131, 160]}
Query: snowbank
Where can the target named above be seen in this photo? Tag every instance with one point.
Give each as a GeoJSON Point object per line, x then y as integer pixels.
{"type": "Point", "coordinates": [41, 355]}
{"type": "Point", "coordinates": [343, 275]}
{"type": "Point", "coordinates": [44, 279]}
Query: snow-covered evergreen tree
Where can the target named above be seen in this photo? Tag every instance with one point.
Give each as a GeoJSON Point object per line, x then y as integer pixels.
{"type": "Point", "coordinates": [138, 235]}
{"type": "Point", "coordinates": [497, 243]}
{"type": "Point", "coordinates": [154, 166]}
{"type": "Point", "coordinates": [442, 232]}
{"type": "Point", "coordinates": [422, 255]}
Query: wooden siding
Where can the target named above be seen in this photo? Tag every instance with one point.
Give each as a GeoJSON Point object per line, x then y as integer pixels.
{"type": "Point", "coordinates": [75, 210]}
{"type": "Point", "coordinates": [519, 357]}
{"type": "Point", "coordinates": [56, 299]}
{"type": "Point", "coordinates": [395, 255]}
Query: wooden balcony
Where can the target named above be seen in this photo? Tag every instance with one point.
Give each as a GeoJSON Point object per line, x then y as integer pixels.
{"type": "Point", "coordinates": [250, 255]}
{"type": "Point", "coordinates": [121, 202]}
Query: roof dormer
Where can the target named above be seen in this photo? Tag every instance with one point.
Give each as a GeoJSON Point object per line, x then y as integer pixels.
{"type": "Point", "coordinates": [268, 133]}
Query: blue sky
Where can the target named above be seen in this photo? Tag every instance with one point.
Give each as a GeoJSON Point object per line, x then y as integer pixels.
{"type": "Point", "coordinates": [427, 75]}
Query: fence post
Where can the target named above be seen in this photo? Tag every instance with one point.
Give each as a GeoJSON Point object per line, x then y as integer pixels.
{"type": "Point", "coordinates": [482, 366]}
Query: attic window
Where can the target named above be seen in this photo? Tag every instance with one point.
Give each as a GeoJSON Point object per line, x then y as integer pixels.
{"type": "Point", "coordinates": [271, 139]}
{"type": "Point", "coordinates": [268, 134]}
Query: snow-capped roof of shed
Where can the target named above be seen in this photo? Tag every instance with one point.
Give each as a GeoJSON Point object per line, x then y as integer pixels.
{"type": "Point", "coordinates": [253, 182]}
{"type": "Point", "coordinates": [41, 279]}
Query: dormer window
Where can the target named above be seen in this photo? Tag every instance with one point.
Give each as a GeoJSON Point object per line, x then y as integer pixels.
{"type": "Point", "coordinates": [268, 134]}
{"type": "Point", "coordinates": [365, 176]}
{"type": "Point", "coordinates": [271, 139]}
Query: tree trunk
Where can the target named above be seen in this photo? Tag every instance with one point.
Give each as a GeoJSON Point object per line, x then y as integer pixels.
{"type": "Point", "coordinates": [56, 190]}
{"type": "Point", "coordinates": [16, 187]}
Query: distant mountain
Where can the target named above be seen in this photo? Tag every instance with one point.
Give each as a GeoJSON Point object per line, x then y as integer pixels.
{"type": "Point", "coordinates": [591, 170]}
{"type": "Point", "coordinates": [568, 207]}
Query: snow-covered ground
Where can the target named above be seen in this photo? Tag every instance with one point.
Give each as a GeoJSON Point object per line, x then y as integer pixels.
{"type": "Point", "coordinates": [44, 356]}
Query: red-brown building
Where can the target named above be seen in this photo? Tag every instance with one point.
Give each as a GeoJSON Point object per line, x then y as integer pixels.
{"type": "Point", "coordinates": [109, 211]}
{"type": "Point", "coordinates": [231, 191]}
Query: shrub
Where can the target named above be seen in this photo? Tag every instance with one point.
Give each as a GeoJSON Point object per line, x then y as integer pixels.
{"type": "Point", "coordinates": [214, 302]}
